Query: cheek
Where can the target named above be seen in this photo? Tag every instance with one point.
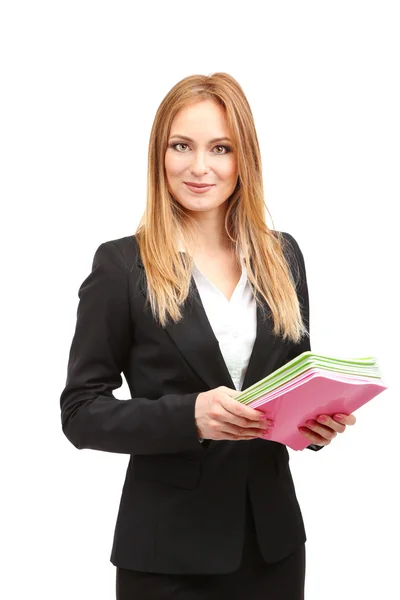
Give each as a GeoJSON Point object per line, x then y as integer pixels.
{"type": "Point", "coordinates": [173, 165]}
{"type": "Point", "coordinates": [228, 170]}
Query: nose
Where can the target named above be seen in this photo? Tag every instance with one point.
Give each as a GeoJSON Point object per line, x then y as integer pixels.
{"type": "Point", "coordinates": [199, 164]}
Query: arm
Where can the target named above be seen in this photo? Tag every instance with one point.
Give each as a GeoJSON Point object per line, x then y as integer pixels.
{"type": "Point", "coordinates": [91, 416]}
{"type": "Point", "coordinates": [302, 293]}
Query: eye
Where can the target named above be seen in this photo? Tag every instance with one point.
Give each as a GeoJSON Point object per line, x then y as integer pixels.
{"type": "Point", "coordinates": [227, 148]}
{"type": "Point", "coordinates": [178, 144]}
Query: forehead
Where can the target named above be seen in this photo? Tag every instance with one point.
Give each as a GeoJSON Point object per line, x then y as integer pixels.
{"type": "Point", "coordinates": [201, 118]}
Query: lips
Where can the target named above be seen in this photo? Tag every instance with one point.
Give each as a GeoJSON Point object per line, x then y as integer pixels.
{"type": "Point", "coordinates": [199, 184]}
{"type": "Point", "coordinates": [199, 188]}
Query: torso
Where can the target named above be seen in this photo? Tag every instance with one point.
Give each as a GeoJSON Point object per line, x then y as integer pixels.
{"type": "Point", "coordinates": [223, 270]}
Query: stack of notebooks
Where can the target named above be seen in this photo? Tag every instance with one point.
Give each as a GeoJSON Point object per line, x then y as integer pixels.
{"type": "Point", "coordinates": [308, 386]}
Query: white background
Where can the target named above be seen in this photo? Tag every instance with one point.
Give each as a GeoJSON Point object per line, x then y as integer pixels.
{"type": "Point", "coordinates": [81, 82]}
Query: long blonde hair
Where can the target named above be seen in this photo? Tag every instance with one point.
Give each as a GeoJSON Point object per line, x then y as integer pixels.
{"type": "Point", "coordinates": [168, 273]}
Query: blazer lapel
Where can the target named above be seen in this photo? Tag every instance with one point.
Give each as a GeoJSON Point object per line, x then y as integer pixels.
{"type": "Point", "coordinates": [263, 348]}
{"type": "Point", "coordinates": [195, 339]}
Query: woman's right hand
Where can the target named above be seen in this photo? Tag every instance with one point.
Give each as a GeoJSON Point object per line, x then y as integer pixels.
{"type": "Point", "coordinates": [219, 417]}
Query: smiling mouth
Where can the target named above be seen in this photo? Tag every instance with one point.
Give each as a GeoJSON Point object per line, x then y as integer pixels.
{"type": "Point", "coordinates": [195, 189]}
{"type": "Point", "coordinates": [199, 185]}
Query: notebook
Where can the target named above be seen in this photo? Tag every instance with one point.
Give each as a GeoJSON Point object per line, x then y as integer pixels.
{"type": "Point", "coordinates": [310, 385]}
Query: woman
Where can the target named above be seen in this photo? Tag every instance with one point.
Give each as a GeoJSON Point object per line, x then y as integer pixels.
{"type": "Point", "coordinates": [202, 302]}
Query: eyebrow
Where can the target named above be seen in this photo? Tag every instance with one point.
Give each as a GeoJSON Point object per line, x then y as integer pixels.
{"type": "Point", "coordinates": [185, 137]}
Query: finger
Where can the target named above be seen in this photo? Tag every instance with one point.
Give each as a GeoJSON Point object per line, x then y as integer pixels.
{"type": "Point", "coordinates": [241, 423]}
{"type": "Point", "coordinates": [244, 433]}
{"type": "Point", "coordinates": [218, 413]}
{"type": "Point", "coordinates": [225, 430]}
{"type": "Point", "coordinates": [231, 392]}
{"type": "Point", "coordinates": [244, 422]}
{"type": "Point", "coordinates": [241, 410]}
{"type": "Point", "coordinates": [325, 432]}
{"type": "Point", "coordinates": [331, 423]}
{"type": "Point", "coordinates": [314, 437]}
{"type": "Point", "coordinates": [345, 419]}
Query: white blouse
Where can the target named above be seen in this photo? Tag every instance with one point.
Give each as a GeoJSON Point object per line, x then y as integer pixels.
{"type": "Point", "coordinates": [233, 321]}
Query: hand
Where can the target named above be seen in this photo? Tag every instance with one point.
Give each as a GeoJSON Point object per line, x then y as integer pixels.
{"type": "Point", "coordinates": [219, 417]}
{"type": "Point", "coordinates": [325, 428]}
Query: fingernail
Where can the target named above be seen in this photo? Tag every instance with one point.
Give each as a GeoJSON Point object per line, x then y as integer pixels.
{"type": "Point", "coordinates": [322, 418]}
{"type": "Point", "coordinates": [311, 423]}
{"type": "Point", "coordinates": [265, 427]}
{"type": "Point", "coordinates": [340, 417]}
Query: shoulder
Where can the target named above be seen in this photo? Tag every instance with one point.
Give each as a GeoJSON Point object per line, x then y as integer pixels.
{"type": "Point", "coordinates": [293, 255]}
{"type": "Point", "coordinates": [122, 252]}
{"type": "Point", "coordinates": [289, 244]}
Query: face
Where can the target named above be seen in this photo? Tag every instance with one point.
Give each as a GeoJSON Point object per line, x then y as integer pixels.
{"type": "Point", "coordinates": [194, 156]}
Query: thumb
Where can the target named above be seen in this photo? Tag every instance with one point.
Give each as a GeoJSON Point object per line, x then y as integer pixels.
{"type": "Point", "coordinates": [232, 393]}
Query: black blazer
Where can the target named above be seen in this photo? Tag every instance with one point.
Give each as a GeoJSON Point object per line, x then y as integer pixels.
{"type": "Point", "coordinates": [182, 508]}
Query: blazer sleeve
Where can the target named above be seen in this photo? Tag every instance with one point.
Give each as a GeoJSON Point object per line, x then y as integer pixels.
{"type": "Point", "coordinates": [302, 293]}
{"type": "Point", "coordinates": [91, 416]}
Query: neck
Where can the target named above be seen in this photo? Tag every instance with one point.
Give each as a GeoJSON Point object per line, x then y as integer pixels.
{"type": "Point", "coordinates": [211, 234]}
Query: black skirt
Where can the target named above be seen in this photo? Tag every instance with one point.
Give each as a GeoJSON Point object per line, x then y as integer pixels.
{"type": "Point", "coordinates": [254, 580]}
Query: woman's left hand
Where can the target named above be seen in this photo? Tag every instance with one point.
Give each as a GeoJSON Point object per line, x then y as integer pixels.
{"type": "Point", "coordinates": [325, 428]}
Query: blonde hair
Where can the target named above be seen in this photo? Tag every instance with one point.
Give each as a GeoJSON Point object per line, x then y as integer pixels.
{"type": "Point", "coordinates": [168, 272]}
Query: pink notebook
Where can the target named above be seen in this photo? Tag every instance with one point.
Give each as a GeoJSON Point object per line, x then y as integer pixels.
{"type": "Point", "coordinates": [315, 392]}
